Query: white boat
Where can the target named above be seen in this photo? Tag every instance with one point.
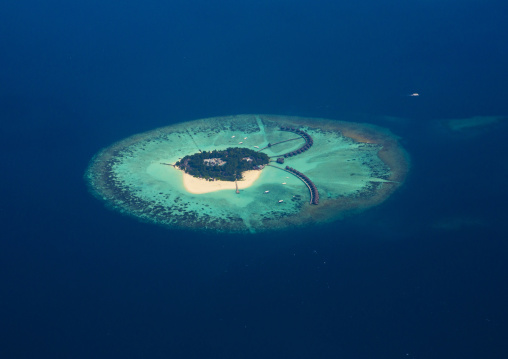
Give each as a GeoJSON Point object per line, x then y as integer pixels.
{"type": "Point", "coordinates": [232, 136]}
{"type": "Point", "coordinates": [256, 146]}
{"type": "Point", "coordinates": [267, 191]}
{"type": "Point", "coordinates": [245, 138]}
{"type": "Point", "coordinates": [240, 143]}
{"type": "Point", "coordinates": [281, 200]}
{"type": "Point", "coordinates": [283, 182]}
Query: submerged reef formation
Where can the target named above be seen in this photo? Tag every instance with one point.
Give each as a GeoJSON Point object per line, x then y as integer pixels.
{"type": "Point", "coordinates": [303, 171]}
{"type": "Point", "coordinates": [470, 127]}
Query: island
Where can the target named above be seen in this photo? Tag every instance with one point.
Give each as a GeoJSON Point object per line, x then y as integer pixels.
{"type": "Point", "coordinates": [249, 173]}
{"type": "Point", "coordinates": [225, 165]}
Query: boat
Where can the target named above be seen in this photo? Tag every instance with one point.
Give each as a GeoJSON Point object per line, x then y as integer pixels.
{"type": "Point", "coordinates": [245, 138]}
{"type": "Point", "coordinates": [267, 191]}
{"type": "Point", "coordinates": [240, 143]}
{"type": "Point", "coordinates": [283, 182]}
{"type": "Point", "coordinates": [232, 136]}
{"type": "Point", "coordinates": [256, 146]}
{"type": "Point", "coordinates": [281, 200]}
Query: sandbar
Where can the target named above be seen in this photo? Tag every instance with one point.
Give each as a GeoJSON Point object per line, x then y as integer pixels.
{"type": "Point", "coordinates": [200, 185]}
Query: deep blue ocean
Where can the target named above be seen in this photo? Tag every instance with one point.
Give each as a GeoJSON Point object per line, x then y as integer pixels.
{"type": "Point", "coordinates": [424, 275]}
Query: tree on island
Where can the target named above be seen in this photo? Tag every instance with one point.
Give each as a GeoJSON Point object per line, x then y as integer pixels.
{"type": "Point", "coordinates": [226, 165]}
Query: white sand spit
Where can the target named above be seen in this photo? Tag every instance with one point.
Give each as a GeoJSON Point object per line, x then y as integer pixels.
{"type": "Point", "coordinates": [200, 186]}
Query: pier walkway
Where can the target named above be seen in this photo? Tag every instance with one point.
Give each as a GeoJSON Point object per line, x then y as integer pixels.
{"type": "Point", "coordinates": [314, 194]}
{"type": "Point", "coordinates": [276, 143]}
{"type": "Point", "coordinates": [303, 135]}
{"type": "Point", "coordinates": [308, 142]}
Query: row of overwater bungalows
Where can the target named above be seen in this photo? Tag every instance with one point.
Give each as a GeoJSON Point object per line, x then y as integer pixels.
{"type": "Point", "coordinates": [312, 186]}
{"type": "Point", "coordinates": [308, 141]}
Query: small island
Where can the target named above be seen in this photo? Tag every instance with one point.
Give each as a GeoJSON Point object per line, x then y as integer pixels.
{"type": "Point", "coordinates": [225, 165]}
{"type": "Point", "coordinates": [313, 171]}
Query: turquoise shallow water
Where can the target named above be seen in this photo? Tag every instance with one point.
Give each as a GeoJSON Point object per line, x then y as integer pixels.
{"type": "Point", "coordinates": [135, 175]}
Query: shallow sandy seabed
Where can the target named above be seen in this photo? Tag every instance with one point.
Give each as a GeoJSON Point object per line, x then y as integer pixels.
{"type": "Point", "coordinates": [354, 166]}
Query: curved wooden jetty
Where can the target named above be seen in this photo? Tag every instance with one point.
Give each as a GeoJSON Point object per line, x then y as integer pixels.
{"type": "Point", "coordinates": [276, 143]}
{"type": "Point", "coordinates": [308, 142]}
{"type": "Point", "coordinates": [314, 194]}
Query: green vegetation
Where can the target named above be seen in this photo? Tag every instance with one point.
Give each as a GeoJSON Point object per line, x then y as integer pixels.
{"type": "Point", "coordinates": [226, 165]}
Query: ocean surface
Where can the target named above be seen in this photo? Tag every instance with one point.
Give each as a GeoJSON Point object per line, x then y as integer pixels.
{"type": "Point", "coordinates": [424, 275]}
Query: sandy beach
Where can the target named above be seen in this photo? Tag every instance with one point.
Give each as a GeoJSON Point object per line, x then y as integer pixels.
{"type": "Point", "coordinates": [199, 185]}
